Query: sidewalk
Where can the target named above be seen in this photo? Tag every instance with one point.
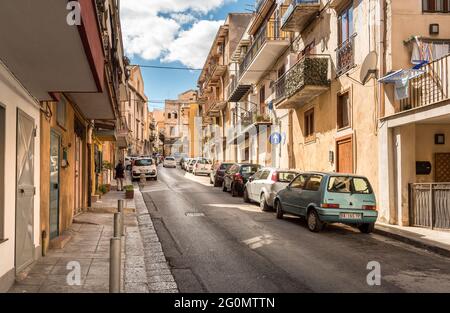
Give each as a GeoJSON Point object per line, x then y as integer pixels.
{"type": "Point", "coordinates": [89, 246]}
{"type": "Point", "coordinates": [144, 266]}
{"type": "Point", "coordinates": [424, 238]}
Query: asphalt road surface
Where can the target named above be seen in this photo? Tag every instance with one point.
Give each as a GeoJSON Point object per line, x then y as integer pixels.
{"type": "Point", "coordinates": [217, 243]}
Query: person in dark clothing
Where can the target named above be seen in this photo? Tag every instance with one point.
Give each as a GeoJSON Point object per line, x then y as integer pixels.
{"type": "Point", "coordinates": [120, 175]}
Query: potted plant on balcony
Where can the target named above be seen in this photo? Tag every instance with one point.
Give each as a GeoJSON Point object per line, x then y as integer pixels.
{"type": "Point", "coordinates": [129, 192]}
{"type": "Point", "coordinates": [262, 118]}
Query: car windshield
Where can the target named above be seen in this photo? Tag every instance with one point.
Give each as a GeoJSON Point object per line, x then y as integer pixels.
{"type": "Point", "coordinates": [286, 177]}
{"type": "Point", "coordinates": [170, 159]}
{"type": "Point", "coordinates": [225, 166]}
{"type": "Point", "coordinates": [347, 184]}
{"type": "Point", "coordinates": [143, 162]}
{"type": "Point", "coordinates": [249, 169]}
{"type": "Point", "coordinates": [204, 161]}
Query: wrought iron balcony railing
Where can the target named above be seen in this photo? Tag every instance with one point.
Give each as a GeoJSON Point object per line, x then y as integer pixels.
{"type": "Point", "coordinates": [312, 71]}
{"type": "Point", "coordinates": [270, 31]}
{"type": "Point", "coordinates": [431, 87]}
{"type": "Point", "coordinates": [345, 56]}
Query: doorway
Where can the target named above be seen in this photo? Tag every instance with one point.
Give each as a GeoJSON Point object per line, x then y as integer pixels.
{"type": "Point", "coordinates": [55, 143]}
{"type": "Point", "coordinates": [25, 191]}
{"type": "Point", "coordinates": [78, 185]}
{"type": "Point", "coordinates": [344, 155]}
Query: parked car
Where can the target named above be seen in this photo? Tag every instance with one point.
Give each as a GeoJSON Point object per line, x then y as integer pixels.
{"type": "Point", "coordinates": [146, 167]}
{"type": "Point", "coordinates": [184, 162]}
{"type": "Point", "coordinates": [218, 172]}
{"type": "Point", "coordinates": [237, 176]}
{"type": "Point", "coordinates": [265, 184]}
{"type": "Point", "coordinates": [170, 162]}
{"type": "Point", "coordinates": [329, 198]}
{"type": "Point", "coordinates": [190, 166]}
{"type": "Point", "coordinates": [127, 163]}
{"type": "Point", "coordinates": [202, 166]}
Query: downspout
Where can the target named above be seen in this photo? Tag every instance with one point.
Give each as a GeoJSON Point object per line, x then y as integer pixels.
{"type": "Point", "coordinates": [381, 55]}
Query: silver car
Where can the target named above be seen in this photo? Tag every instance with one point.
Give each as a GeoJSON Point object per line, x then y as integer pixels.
{"type": "Point", "coordinates": [265, 184]}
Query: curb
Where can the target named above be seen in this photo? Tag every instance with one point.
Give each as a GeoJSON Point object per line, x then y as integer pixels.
{"type": "Point", "coordinates": [159, 275]}
{"type": "Point", "coordinates": [413, 242]}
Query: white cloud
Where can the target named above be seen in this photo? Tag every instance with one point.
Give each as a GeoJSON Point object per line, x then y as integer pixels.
{"type": "Point", "coordinates": [153, 29]}
{"type": "Point", "coordinates": [183, 18]}
{"type": "Point", "coordinates": [192, 46]}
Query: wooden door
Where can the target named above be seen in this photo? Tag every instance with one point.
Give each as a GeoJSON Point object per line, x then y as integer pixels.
{"type": "Point", "coordinates": [344, 155]}
{"type": "Point", "coordinates": [442, 168]}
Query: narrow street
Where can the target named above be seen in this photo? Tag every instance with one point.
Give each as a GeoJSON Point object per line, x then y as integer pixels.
{"type": "Point", "coordinates": [217, 243]}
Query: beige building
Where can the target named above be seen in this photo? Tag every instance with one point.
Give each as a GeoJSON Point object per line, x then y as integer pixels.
{"type": "Point", "coordinates": [177, 119]}
{"type": "Point", "coordinates": [213, 83]}
{"type": "Point", "coordinates": [329, 86]}
{"type": "Point", "coordinates": [135, 112]}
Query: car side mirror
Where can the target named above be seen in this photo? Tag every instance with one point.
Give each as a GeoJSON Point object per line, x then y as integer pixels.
{"type": "Point", "coordinates": [251, 178]}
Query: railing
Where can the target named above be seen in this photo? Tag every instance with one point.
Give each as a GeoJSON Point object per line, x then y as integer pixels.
{"type": "Point", "coordinates": [310, 70]}
{"type": "Point", "coordinates": [430, 87]}
{"type": "Point", "coordinates": [429, 205]}
{"type": "Point", "coordinates": [270, 31]}
{"type": "Point", "coordinates": [291, 8]}
{"type": "Point", "coordinates": [345, 56]}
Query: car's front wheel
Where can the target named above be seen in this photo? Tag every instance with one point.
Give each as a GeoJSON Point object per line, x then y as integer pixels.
{"type": "Point", "coordinates": [263, 203]}
{"type": "Point", "coordinates": [224, 187]}
{"type": "Point", "coordinates": [246, 197]}
{"type": "Point", "coordinates": [314, 223]}
{"type": "Point", "coordinates": [279, 209]}
{"type": "Point", "coordinates": [367, 228]}
{"type": "Point", "coordinates": [234, 191]}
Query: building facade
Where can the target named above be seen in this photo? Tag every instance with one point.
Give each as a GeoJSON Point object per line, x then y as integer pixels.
{"type": "Point", "coordinates": [55, 102]}
{"type": "Point", "coordinates": [340, 86]}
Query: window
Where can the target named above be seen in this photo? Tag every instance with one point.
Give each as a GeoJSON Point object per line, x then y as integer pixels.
{"type": "Point", "coordinates": [313, 183]}
{"type": "Point", "coordinates": [262, 99]}
{"type": "Point", "coordinates": [2, 171]}
{"type": "Point", "coordinates": [61, 111]}
{"type": "Point", "coordinates": [342, 184]}
{"type": "Point", "coordinates": [249, 169]}
{"type": "Point", "coordinates": [286, 177]}
{"type": "Point", "coordinates": [264, 175]}
{"type": "Point", "coordinates": [436, 6]}
{"type": "Point", "coordinates": [175, 115]}
{"type": "Point", "coordinates": [299, 182]}
{"type": "Point", "coordinates": [309, 123]}
{"type": "Point", "coordinates": [169, 116]}
{"type": "Point", "coordinates": [343, 111]}
{"type": "Point", "coordinates": [345, 24]}
{"type": "Point", "coordinates": [144, 162]}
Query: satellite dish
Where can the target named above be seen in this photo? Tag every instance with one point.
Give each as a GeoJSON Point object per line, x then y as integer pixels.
{"type": "Point", "coordinates": [368, 67]}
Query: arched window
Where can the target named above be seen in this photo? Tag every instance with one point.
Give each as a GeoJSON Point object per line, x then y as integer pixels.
{"type": "Point", "coordinates": [169, 116]}
{"type": "Point", "coordinates": [175, 115]}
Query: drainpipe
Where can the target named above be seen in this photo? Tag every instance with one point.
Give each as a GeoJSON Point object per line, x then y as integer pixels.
{"type": "Point", "coordinates": [381, 55]}
{"type": "Point", "coordinates": [291, 139]}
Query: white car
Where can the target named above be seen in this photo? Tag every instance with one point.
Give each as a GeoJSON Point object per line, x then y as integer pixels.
{"type": "Point", "coordinates": [264, 185]}
{"type": "Point", "coordinates": [170, 162]}
{"type": "Point", "coordinates": [190, 165]}
{"type": "Point", "coordinates": [201, 166]}
{"type": "Point", "coordinates": [146, 167]}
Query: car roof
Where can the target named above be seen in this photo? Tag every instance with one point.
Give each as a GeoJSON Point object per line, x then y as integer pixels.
{"type": "Point", "coordinates": [333, 174]}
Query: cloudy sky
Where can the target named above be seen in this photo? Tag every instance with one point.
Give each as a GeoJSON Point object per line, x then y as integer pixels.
{"type": "Point", "coordinates": [176, 33]}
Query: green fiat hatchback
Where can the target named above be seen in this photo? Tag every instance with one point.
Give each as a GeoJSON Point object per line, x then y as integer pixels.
{"type": "Point", "coordinates": [324, 198]}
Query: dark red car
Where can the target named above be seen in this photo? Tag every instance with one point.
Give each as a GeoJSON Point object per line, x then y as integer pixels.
{"type": "Point", "coordinates": [218, 172]}
{"type": "Point", "coordinates": [237, 176]}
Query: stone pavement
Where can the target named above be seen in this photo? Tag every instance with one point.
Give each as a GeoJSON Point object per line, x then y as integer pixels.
{"type": "Point", "coordinates": [89, 247]}
{"type": "Point", "coordinates": [146, 268]}
{"type": "Point", "coordinates": [437, 241]}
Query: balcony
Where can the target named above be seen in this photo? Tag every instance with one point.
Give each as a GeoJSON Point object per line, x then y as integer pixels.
{"type": "Point", "coordinates": [268, 44]}
{"type": "Point", "coordinates": [215, 71]}
{"type": "Point", "coordinates": [298, 14]}
{"type": "Point", "coordinates": [237, 91]}
{"type": "Point", "coordinates": [213, 105]}
{"type": "Point", "coordinates": [122, 133]}
{"type": "Point", "coordinates": [431, 87]}
{"type": "Point", "coordinates": [307, 79]}
{"type": "Point", "coordinates": [345, 56]}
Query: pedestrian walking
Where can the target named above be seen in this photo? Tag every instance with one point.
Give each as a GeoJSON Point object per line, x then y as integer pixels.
{"type": "Point", "coordinates": [120, 175]}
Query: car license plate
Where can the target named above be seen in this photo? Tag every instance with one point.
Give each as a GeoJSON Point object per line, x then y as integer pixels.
{"type": "Point", "coordinates": [350, 216]}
